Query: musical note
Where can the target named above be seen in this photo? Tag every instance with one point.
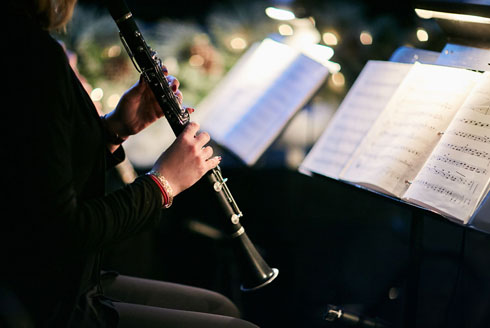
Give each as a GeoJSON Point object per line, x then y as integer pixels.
{"type": "Point", "coordinates": [454, 162]}
{"type": "Point", "coordinates": [470, 136]}
{"type": "Point", "coordinates": [448, 175]}
{"type": "Point", "coordinates": [406, 125]}
{"type": "Point", "coordinates": [485, 110]}
{"type": "Point", "coordinates": [468, 150]}
{"type": "Point", "coordinates": [406, 132]}
{"type": "Point", "coordinates": [455, 177]}
{"type": "Point", "coordinates": [453, 196]}
{"type": "Point", "coordinates": [475, 123]}
{"type": "Point", "coordinates": [366, 99]}
{"type": "Point", "coordinates": [373, 158]}
{"type": "Point", "coordinates": [409, 135]}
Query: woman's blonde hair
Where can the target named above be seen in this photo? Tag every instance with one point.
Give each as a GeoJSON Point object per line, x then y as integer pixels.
{"type": "Point", "coordinates": [53, 14]}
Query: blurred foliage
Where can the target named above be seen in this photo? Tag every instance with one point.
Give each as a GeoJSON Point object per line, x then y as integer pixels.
{"type": "Point", "coordinates": [102, 60]}
{"type": "Point", "coordinates": [93, 36]}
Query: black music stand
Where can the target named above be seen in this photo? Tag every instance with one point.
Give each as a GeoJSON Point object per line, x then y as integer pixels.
{"type": "Point", "coordinates": [468, 47]}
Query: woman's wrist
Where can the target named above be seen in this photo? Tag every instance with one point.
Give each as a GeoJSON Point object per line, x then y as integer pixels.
{"type": "Point", "coordinates": [164, 186]}
{"type": "Point", "coordinates": [111, 130]}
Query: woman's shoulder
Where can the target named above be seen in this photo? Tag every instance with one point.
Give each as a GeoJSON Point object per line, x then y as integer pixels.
{"type": "Point", "coordinates": [32, 47]}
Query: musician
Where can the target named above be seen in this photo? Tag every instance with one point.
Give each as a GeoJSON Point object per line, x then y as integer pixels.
{"type": "Point", "coordinates": [57, 218]}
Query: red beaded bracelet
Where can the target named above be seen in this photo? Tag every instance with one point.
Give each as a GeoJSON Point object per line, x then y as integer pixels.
{"type": "Point", "coordinates": [164, 186]}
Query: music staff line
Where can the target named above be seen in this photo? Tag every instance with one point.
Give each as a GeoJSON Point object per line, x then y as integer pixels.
{"type": "Point", "coordinates": [470, 136]}
{"type": "Point", "coordinates": [374, 157]}
{"type": "Point", "coordinates": [460, 164]}
{"type": "Point", "coordinates": [475, 123]}
{"type": "Point", "coordinates": [457, 178]}
{"type": "Point", "coordinates": [483, 109]}
{"type": "Point", "coordinates": [468, 150]}
{"type": "Point", "coordinates": [453, 196]}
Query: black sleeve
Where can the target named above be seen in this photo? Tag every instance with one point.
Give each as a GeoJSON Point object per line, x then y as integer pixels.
{"type": "Point", "coordinates": [59, 160]}
{"type": "Point", "coordinates": [112, 159]}
{"type": "Point", "coordinates": [102, 221]}
{"type": "Point", "coordinates": [87, 219]}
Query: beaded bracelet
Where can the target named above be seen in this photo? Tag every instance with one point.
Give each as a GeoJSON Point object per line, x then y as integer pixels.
{"type": "Point", "coordinates": [165, 188]}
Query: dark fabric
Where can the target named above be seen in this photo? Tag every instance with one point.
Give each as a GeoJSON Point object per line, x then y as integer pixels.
{"type": "Point", "coordinates": [148, 303]}
{"type": "Point", "coordinates": [134, 315]}
{"type": "Point", "coordinates": [57, 218]}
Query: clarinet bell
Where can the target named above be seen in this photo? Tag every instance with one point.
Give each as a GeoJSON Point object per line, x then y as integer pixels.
{"type": "Point", "coordinates": [255, 272]}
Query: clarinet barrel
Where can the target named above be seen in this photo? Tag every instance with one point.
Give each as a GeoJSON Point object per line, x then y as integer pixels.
{"type": "Point", "coordinates": [255, 273]}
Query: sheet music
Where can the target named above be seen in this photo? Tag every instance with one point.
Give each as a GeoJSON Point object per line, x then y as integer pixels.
{"type": "Point", "coordinates": [226, 89]}
{"type": "Point", "coordinates": [403, 136]}
{"type": "Point", "coordinates": [367, 97]}
{"type": "Point", "coordinates": [248, 112]}
{"type": "Point", "coordinates": [264, 121]}
{"type": "Point", "coordinates": [456, 175]}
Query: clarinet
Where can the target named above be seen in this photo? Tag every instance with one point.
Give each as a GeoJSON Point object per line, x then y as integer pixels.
{"type": "Point", "coordinates": [255, 272]}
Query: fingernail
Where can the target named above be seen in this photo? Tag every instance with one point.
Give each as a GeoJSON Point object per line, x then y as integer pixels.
{"type": "Point", "coordinates": [190, 110]}
{"type": "Point", "coordinates": [174, 87]}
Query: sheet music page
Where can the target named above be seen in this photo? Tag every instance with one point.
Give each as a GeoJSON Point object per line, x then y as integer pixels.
{"type": "Point", "coordinates": [250, 111]}
{"type": "Point", "coordinates": [456, 176]}
{"type": "Point", "coordinates": [225, 87]}
{"type": "Point", "coordinates": [367, 97]}
{"type": "Point", "coordinates": [266, 118]}
{"type": "Point", "coordinates": [242, 88]}
{"type": "Point", "coordinates": [407, 130]}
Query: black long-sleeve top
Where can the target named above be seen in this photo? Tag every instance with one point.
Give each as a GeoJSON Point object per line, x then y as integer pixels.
{"type": "Point", "coordinates": [56, 216]}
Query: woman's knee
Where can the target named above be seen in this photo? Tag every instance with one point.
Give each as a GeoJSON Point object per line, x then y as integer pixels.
{"type": "Point", "coordinates": [168, 295]}
{"type": "Point", "coordinates": [134, 315]}
{"type": "Point", "coordinates": [220, 304]}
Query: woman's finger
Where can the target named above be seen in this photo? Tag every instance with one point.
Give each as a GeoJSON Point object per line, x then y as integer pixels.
{"type": "Point", "coordinates": [179, 96]}
{"type": "Point", "coordinates": [191, 129]}
{"type": "Point", "coordinates": [207, 152]}
{"type": "Point", "coordinates": [202, 139]}
{"type": "Point", "coordinates": [173, 82]}
{"type": "Point", "coordinates": [164, 70]}
{"type": "Point", "coordinates": [213, 162]}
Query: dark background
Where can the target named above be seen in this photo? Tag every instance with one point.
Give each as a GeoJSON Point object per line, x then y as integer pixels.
{"type": "Point", "coordinates": [332, 243]}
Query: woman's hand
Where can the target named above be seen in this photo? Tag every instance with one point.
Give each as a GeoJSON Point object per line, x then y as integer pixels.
{"type": "Point", "coordinates": [187, 159]}
{"type": "Point", "coordinates": [138, 108]}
